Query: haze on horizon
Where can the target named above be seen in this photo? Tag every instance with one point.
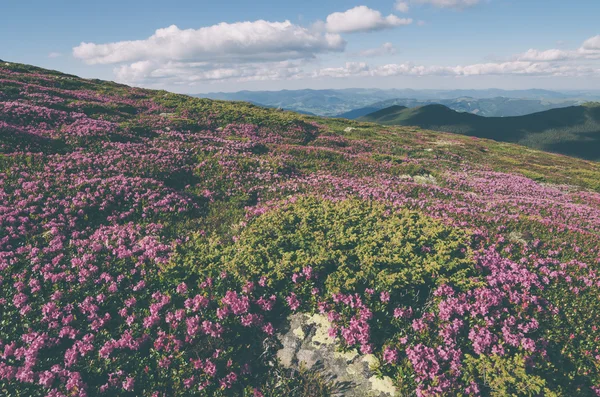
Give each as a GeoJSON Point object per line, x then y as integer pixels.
{"type": "Point", "coordinates": [197, 46]}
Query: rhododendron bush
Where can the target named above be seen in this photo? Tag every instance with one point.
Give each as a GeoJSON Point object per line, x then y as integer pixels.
{"type": "Point", "coordinates": [154, 244]}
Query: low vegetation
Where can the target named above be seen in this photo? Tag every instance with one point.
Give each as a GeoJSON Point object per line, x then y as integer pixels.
{"type": "Point", "coordinates": [153, 244]}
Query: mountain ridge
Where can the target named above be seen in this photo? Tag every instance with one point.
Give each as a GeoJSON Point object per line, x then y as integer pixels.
{"type": "Point", "coordinates": [573, 130]}
{"type": "Point", "coordinates": [333, 102]}
{"type": "Point", "coordinates": [490, 107]}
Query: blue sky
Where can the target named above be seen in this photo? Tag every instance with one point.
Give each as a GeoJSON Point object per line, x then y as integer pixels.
{"type": "Point", "coordinates": [233, 45]}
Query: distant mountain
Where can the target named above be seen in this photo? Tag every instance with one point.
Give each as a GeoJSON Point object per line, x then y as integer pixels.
{"type": "Point", "coordinates": [320, 102]}
{"type": "Point", "coordinates": [336, 102]}
{"type": "Point", "coordinates": [488, 107]}
{"type": "Point", "coordinates": [357, 113]}
{"type": "Point", "coordinates": [574, 130]}
{"type": "Point", "coordinates": [281, 108]}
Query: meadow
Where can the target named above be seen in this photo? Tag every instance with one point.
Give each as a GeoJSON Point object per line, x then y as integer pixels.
{"type": "Point", "coordinates": [153, 244]}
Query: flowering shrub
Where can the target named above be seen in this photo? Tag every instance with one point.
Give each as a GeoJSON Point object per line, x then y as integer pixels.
{"type": "Point", "coordinates": [153, 244]}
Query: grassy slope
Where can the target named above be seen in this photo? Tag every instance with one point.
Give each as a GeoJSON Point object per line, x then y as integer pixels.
{"type": "Point", "coordinates": [387, 140]}
{"type": "Point", "coordinates": [573, 130]}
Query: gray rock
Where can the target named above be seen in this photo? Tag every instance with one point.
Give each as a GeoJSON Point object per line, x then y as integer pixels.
{"type": "Point", "coordinates": [286, 356]}
{"type": "Point", "coordinates": [306, 342]}
{"type": "Point", "coordinates": [308, 357]}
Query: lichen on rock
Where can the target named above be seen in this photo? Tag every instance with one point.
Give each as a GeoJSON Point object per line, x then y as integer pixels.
{"type": "Point", "coordinates": [307, 343]}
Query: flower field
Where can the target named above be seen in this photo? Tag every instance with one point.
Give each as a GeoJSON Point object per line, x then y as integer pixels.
{"type": "Point", "coordinates": [153, 244]}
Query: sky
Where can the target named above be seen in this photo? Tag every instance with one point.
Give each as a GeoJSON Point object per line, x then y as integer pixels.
{"type": "Point", "coordinates": [197, 46]}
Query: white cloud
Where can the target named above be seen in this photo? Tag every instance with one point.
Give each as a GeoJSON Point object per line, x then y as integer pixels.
{"type": "Point", "coordinates": [593, 43]}
{"type": "Point", "coordinates": [348, 70]}
{"type": "Point", "coordinates": [459, 4]}
{"type": "Point", "coordinates": [187, 73]}
{"type": "Point", "coordinates": [384, 49]}
{"type": "Point", "coordinates": [241, 42]}
{"type": "Point", "coordinates": [362, 19]}
{"type": "Point", "coordinates": [482, 69]}
{"type": "Point", "coordinates": [54, 55]}
{"type": "Point", "coordinates": [544, 56]}
{"type": "Point", "coordinates": [191, 73]}
{"type": "Point", "coordinates": [262, 50]}
{"type": "Point", "coordinates": [589, 50]}
{"type": "Point", "coordinates": [402, 6]}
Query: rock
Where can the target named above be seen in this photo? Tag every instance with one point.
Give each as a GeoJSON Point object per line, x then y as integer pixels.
{"type": "Point", "coordinates": [306, 342]}
{"type": "Point", "coordinates": [348, 129]}
{"type": "Point", "coordinates": [425, 179]}
{"type": "Point", "coordinates": [308, 357]}
{"type": "Point", "coordinates": [348, 356]}
{"type": "Point", "coordinates": [384, 385]}
{"type": "Point", "coordinates": [299, 333]}
{"type": "Point", "coordinates": [286, 356]}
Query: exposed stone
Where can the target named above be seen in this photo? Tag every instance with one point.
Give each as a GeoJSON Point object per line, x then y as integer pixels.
{"type": "Point", "coordinates": [348, 356]}
{"type": "Point", "coordinates": [348, 129]}
{"type": "Point", "coordinates": [384, 385]}
{"type": "Point", "coordinates": [425, 179]}
{"type": "Point", "coordinates": [308, 357]}
{"type": "Point", "coordinates": [286, 356]}
{"type": "Point", "coordinates": [307, 342]}
{"type": "Point", "coordinates": [299, 333]}
{"type": "Point", "coordinates": [321, 326]}
{"type": "Point", "coordinates": [445, 142]}
{"type": "Point", "coordinates": [371, 360]}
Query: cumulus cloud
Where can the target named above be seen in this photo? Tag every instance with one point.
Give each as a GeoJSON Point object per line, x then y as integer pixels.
{"type": "Point", "coordinates": [481, 69]}
{"type": "Point", "coordinates": [191, 73]}
{"type": "Point", "coordinates": [593, 43]}
{"type": "Point", "coordinates": [241, 42]}
{"type": "Point", "coordinates": [362, 19]}
{"type": "Point", "coordinates": [262, 50]}
{"type": "Point", "coordinates": [348, 70]}
{"type": "Point", "coordinates": [402, 6]}
{"type": "Point", "coordinates": [545, 56]}
{"type": "Point", "coordinates": [590, 49]}
{"type": "Point", "coordinates": [384, 49]}
{"type": "Point", "coordinates": [458, 4]}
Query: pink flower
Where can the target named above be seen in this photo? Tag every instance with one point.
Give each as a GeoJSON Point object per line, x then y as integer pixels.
{"type": "Point", "coordinates": [384, 296]}
{"type": "Point", "coordinates": [182, 288]}
{"type": "Point", "coordinates": [128, 384]}
{"type": "Point", "coordinates": [390, 355]}
{"type": "Point", "coordinates": [293, 301]}
{"type": "Point", "coordinates": [268, 329]}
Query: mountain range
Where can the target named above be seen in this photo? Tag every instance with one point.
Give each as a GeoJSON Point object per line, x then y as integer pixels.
{"type": "Point", "coordinates": [573, 130]}
{"type": "Point", "coordinates": [488, 107]}
{"type": "Point", "coordinates": [334, 102]}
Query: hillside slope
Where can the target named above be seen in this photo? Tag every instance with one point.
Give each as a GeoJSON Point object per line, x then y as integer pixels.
{"type": "Point", "coordinates": [574, 130]}
{"type": "Point", "coordinates": [154, 244]}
